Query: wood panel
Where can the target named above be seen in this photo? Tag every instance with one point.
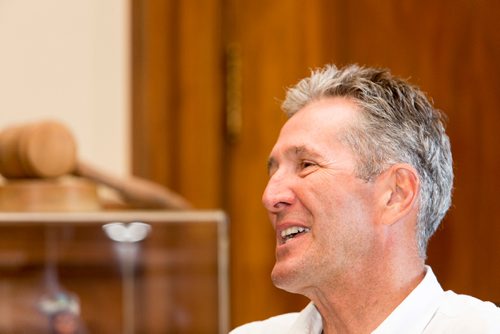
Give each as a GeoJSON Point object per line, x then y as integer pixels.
{"type": "Point", "coordinates": [177, 96]}
{"type": "Point", "coordinates": [199, 163]}
{"type": "Point", "coordinates": [153, 96]}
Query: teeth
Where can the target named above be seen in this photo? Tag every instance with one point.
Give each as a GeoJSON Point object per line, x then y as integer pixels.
{"type": "Point", "coordinates": [293, 231]}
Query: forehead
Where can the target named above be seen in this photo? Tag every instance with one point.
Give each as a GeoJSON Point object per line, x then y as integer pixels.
{"type": "Point", "coordinates": [315, 132]}
{"type": "Point", "coordinates": [319, 123]}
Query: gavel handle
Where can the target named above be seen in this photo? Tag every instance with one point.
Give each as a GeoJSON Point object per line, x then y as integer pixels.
{"type": "Point", "coordinates": [136, 191]}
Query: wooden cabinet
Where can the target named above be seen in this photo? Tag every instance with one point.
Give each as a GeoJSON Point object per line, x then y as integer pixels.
{"type": "Point", "coordinates": [153, 272]}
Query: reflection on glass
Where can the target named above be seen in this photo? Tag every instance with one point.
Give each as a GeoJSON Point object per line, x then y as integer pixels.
{"type": "Point", "coordinates": [127, 247]}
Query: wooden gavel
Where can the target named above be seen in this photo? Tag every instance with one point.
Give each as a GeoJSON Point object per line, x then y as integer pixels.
{"type": "Point", "coordinates": [48, 150]}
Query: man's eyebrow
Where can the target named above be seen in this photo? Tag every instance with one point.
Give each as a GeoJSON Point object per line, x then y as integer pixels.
{"type": "Point", "coordinates": [304, 150]}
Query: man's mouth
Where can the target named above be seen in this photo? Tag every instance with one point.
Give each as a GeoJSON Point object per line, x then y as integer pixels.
{"type": "Point", "coordinates": [292, 232]}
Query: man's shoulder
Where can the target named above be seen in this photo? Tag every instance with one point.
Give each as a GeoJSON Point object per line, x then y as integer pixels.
{"type": "Point", "coordinates": [467, 314]}
{"type": "Point", "coordinates": [275, 325]}
{"type": "Point", "coordinates": [458, 305]}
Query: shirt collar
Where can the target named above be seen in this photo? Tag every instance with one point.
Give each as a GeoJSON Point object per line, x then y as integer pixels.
{"type": "Point", "coordinates": [411, 316]}
{"type": "Point", "coordinates": [309, 321]}
{"type": "Point", "coordinates": [416, 310]}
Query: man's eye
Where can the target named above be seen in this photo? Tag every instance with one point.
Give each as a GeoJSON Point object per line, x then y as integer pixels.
{"type": "Point", "coordinates": [306, 164]}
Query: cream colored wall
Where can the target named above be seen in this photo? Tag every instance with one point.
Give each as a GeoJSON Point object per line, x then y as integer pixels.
{"type": "Point", "coordinates": [69, 60]}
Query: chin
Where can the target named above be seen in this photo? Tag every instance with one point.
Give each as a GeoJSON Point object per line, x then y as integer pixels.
{"type": "Point", "coordinates": [288, 280]}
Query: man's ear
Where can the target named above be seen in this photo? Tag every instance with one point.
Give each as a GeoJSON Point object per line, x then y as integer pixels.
{"type": "Point", "coordinates": [400, 188]}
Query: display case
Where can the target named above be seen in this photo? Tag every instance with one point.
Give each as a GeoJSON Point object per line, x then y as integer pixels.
{"type": "Point", "coordinates": [114, 272]}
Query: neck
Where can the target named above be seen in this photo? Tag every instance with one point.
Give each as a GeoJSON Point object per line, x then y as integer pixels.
{"type": "Point", "coordinates": [361, 301]}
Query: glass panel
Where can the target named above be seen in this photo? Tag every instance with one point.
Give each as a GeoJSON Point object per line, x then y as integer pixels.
{"type": "Point", "coordinates": [106, 273]}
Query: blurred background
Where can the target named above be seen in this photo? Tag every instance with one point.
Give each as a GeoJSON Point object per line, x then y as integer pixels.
{"type": "Point", "coordinates": [187, 94]}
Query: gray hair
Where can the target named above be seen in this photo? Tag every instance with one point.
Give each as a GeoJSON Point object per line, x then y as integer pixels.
{"type": "Point", "coordinates": [399, 125]}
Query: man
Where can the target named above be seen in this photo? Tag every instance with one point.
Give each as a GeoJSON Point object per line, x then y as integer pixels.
{"type": "Point", "coordinates": [360, 178]}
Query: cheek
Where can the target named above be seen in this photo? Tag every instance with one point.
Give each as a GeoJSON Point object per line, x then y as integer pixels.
{"type": "Point", "coordinates": [341, 198]}
{"type": "Point", "coordinates": [341, 207]}
{"type": "Point", "coordinates": [328, 196]}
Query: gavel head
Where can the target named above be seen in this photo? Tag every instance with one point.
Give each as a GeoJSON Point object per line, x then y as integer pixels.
{"type": "Point", "coordinates": [44, 149]}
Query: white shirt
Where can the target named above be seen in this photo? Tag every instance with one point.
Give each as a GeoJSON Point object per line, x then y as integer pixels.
{"type": "Point", "coordinates": [426, 310]}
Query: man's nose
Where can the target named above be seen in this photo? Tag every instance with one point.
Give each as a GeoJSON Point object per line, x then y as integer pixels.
{"type": "Point", "coordinates": [278, 193]}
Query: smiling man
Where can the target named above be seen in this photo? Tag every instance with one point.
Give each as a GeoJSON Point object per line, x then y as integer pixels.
{"type": "Point", "coordinates": [360, 178]}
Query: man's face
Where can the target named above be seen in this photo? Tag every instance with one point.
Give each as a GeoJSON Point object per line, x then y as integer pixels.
{"type": "Point", "coordinates": [322, 213]}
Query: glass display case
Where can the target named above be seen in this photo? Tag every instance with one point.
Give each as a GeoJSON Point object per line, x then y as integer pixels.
{"type": "Point", "coordinates": [114, 272]}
